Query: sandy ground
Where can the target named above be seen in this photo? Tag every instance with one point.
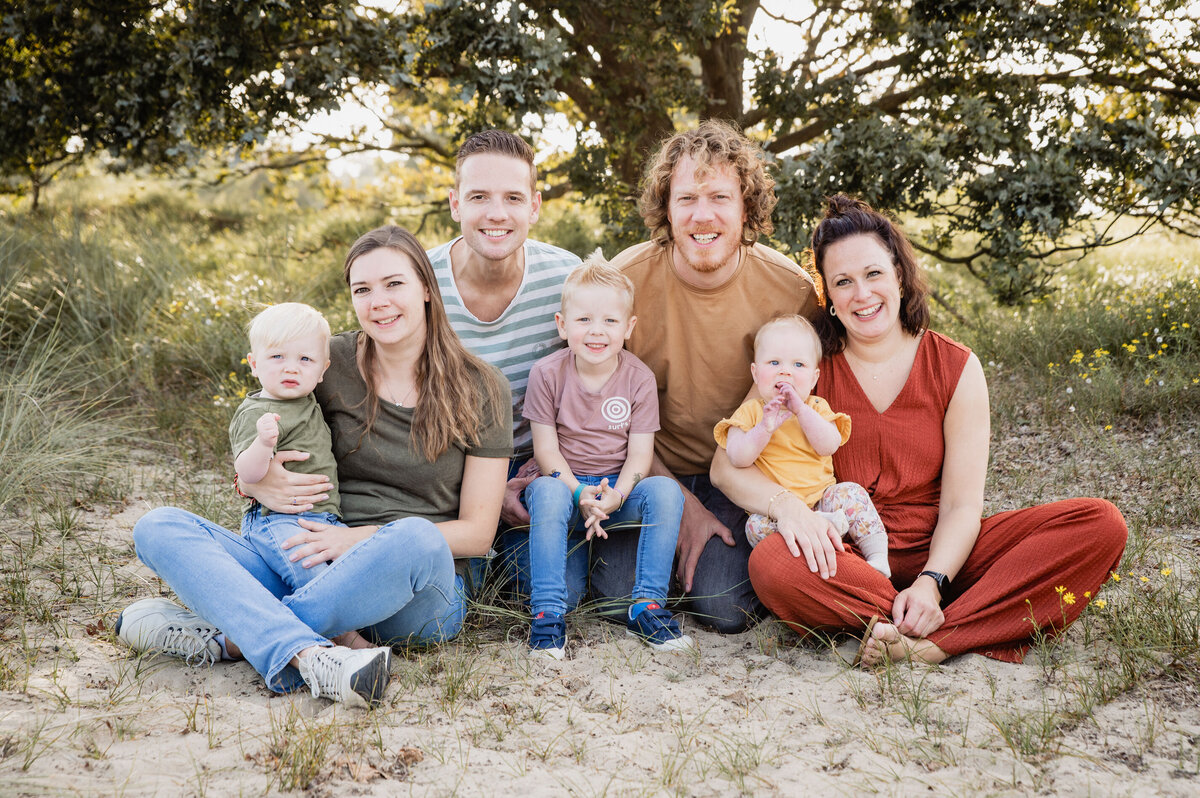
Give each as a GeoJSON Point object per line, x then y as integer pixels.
{"type": "Point", "coordinates": [757, 713]}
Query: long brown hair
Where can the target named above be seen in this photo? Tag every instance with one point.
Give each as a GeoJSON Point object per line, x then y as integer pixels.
{"type": "Point", "coordinates": [847, 216]}
{"type": "Point", "coordinates": [453, 385]}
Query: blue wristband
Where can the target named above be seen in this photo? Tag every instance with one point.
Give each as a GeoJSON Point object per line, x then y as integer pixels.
{"type": "Point", "coordinates": [577, 494]}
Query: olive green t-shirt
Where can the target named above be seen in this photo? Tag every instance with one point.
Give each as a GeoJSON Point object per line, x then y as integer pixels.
{"type": "Point", "coordinates": [301, 428]}
{"type": "Point", "coordinates": [381, 474]}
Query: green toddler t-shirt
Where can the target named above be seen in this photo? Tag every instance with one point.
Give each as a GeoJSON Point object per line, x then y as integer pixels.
{"type": "Point", "coordinates": [302, 428]}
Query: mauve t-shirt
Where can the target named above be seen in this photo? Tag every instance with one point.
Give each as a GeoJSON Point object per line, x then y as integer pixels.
{"type": "Point", "coordinates": [593, 428]}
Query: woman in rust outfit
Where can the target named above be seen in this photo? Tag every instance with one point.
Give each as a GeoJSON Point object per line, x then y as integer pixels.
{"type": "Point", "coordinates": [919, 405]}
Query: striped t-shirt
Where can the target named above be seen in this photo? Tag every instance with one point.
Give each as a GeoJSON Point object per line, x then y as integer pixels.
{"type": "Point", "coordinates": [523, 333]}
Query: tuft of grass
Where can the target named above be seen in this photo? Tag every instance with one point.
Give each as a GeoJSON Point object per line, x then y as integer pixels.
{"type": "Point", "coordinates": [298, 748]}
{"type": "Point", "coordinates": [58, 426]}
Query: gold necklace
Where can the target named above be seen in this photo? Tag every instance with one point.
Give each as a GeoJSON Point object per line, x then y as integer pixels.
{"type": "Point", "coordinates": [403, 402]}
{"type": "Point", "coordinates": [862, 364]}
{"type": "Point", "coordinates": [386, 389]}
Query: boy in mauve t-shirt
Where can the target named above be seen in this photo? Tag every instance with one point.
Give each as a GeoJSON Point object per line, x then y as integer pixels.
{"type": "Point", "coordinates": [593, 410]}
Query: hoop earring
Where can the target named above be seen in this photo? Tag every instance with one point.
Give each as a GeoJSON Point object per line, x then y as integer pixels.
{"type": "Point", "coordinates": [832, 310]}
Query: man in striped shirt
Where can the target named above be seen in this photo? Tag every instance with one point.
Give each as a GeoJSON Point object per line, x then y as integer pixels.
{"type": "Point", "coordinates": [501, 289]}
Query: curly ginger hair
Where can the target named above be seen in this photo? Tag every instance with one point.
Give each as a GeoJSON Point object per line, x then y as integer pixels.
{"type": "Point", "coordinates": [713, 144]}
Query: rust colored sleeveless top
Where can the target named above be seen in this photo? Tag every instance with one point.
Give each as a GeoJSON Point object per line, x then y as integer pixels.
{"type": "Point", "coordinates": [897, 454]}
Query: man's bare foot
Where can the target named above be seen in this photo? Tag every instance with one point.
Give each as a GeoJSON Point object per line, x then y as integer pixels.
{"type": "Point", "coordinates": [352, 639]}
{"type": "Point", "coordinates": [883, 642]}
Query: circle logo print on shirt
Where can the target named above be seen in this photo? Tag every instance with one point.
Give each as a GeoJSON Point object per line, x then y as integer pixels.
{"type": "Point", "coordinates": [616, 410]}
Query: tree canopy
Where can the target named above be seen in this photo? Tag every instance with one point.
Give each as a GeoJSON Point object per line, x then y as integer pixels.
{"type": "Point", "coordinates": [157, 81]}
{"type": "Point", "coordinates": [1018, 132]}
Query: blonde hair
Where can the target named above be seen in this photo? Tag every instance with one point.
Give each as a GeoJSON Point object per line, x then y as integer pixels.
{"type": "Point", "coordinates": [713, 144]}
{"type": "Point", "coordinates": [597, 271]}
{"type": "Point", "coordinates": [285, 322]}
{"type": "Point", "coordinates": [794, 320]}
{"type": "Point", "coordinates": [449, 408]}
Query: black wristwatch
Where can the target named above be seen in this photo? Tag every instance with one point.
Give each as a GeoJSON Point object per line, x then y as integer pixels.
{"type": "Point", "coordinates": [941, 579]}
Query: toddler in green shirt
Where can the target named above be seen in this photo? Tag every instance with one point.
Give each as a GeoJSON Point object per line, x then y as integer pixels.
{"type": "Point", "coordinates": [289, 353]}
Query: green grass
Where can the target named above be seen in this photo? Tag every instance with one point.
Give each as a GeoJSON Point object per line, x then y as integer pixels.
{"type": "Point", "coordinates": [1118, 338]}
{"type": "Point", "coordinates": [60, 422]}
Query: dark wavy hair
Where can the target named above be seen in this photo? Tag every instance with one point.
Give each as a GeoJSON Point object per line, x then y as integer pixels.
{"type": "Point", "coordinates": [847, 216]}
{"type": "Point", "coordinates": [449, 408]}
{"type": "Point", "coordinates": [711, 144]}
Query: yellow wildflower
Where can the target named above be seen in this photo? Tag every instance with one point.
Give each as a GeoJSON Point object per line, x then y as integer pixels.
{"type": "Point", "coordinates": [1068, 598]}
{"type": "Point", "coordinates": [1145, 579]}
{"type": "Point", "coordinates": [1165, 572]}
{"type": "Point", "coordinates": [1100, 603]}
{"type": "Point", "coordinates": [1116, 577]}
{"type": "Point", "coordinates": [1087, 594]}
{"type": "Point", "coordinates": [1059, 590]}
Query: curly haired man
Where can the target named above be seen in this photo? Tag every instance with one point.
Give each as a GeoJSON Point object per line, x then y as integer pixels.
{"type": "Point", "coordinates": [703, 287]}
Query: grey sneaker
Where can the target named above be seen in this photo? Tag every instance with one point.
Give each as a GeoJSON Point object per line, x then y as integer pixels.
{"type": "Point", "coordinates": [160, 626]}
{"type": "Point", "coordinates": [355, 676]}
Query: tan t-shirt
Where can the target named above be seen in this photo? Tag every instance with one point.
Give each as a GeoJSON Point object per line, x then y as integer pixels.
{"type": "Point", "coordinates": [699, 342]}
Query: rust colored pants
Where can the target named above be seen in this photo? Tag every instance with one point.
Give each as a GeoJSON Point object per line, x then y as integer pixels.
{"type": "Point", "coordinates": [1003, 593]}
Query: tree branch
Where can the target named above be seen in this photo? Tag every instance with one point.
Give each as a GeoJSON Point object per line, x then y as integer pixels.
{"type": "Point", "coordinates": [889, 105]}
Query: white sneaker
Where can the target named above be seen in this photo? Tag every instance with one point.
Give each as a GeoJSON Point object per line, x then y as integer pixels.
{"type": "Point", "coordinates": [160, 626]}
{"type": "Point", "coordinates": [355, 676]}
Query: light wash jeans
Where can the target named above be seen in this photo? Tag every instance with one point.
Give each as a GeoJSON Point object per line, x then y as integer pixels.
{"type": "Point", "coordinates": [656, 502]}
{"type": "Point", "coordinates": [266, 532]}
{"type": "Point", "coordinates": [722, 596]}
{"type": "Point", "coordinates": [397, 586]}
{"type": "Point", "coordinates": [510, 566]}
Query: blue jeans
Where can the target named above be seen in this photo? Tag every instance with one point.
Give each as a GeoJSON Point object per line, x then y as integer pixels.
{"type": "Point", "coordinates": [266, 532]}
{"type": "Point", "coordinates": [656, 502]}
{"type": "Point", "coordinates": [721, 596]}
{"type": "Point", "coordinates": [510, 566]}
{"type": "Point", "coordinates": [397, 586]}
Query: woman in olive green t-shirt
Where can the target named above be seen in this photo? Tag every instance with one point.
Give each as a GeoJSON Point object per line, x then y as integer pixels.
{"type": "Point", "coordinates": [422, 432]}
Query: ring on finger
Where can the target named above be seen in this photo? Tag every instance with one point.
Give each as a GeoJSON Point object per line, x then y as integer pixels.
{"type": "Point", "coordinates": [293, 500]}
